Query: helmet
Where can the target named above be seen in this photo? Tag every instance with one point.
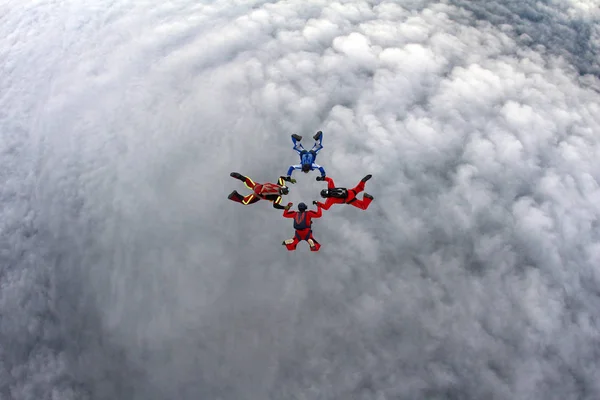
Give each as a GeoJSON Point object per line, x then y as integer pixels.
{"type": "Point", "coordinates": [302, 207]}
{"type": "Point", "coordinates": [324, 193]}
{"type": "Point", "coordinates": [284, 190]}
{"type": "Point", "coordinates": [306, 168]}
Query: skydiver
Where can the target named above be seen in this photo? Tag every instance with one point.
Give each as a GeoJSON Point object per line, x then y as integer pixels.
{"type": "Point", "coordinates": [266, 191]}
{"type": "Point", "coordinates": [307, 158]}
{"type": "Point", "coordinates": [338, 195]}
{"type": "Point", "coordinates": [302, 225]}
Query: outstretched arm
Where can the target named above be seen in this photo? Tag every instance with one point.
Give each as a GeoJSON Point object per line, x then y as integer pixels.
{"type": "Point", "coordinates": [277, 204]}
{"type": "Point", "coordinates": [288, 214]}
{"type": "Point", "coordinates": [321, 169]}
{"type": "Point", "coordinates": [318, 213]}
{"type": "Point", "coordinates": [283, 179]}
{"type": "Point", "coordinates": [292, 168]}
{"type": "Point", "coordinates": [330, 184]}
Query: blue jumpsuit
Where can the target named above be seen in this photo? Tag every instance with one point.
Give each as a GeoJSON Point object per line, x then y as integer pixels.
{"type": "Point", "coordinates": [307, 157]}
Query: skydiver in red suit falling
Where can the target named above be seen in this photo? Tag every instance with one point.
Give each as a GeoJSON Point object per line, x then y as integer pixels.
{"type": "Point", "coordinates": [265, 191]}
{"type": "Point", "coordinates": [339, 195]}
{"type": "Point", "coordinates": [302, 225]}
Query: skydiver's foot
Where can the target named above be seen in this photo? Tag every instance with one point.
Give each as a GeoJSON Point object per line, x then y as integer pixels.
{"type": "Point", "coordinates": [368, 196]}
{"type": "Point", "coordinates": [237, 175]}
{"type": "Point", "coordinates": [235, 196]}
{"type": "Point", "coordinates": [297, 138]}
{"type": "Point", "coordinates": [318, 135]}
{"type": "Point", "coordinates": [366, 178]}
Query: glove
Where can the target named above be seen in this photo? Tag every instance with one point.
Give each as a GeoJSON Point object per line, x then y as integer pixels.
{"type": "Point", "coordinates": [292, 180]}
{"type": "Point", "coordinates": [316, 203]}
{"type": "Point", "coordinates": [288, 206]}
{"type": "Point", "coordinates": [320, 178]}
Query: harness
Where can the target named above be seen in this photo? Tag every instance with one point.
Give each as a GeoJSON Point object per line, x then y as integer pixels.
{"type": "Point", "coordinates": [300, 222]}
{"type": "Point", "coordinates": [353, 199]}
{"type": "Point", "coordinates": [339, 193]}
{"type": "Point", "coordinates": [307, 157]}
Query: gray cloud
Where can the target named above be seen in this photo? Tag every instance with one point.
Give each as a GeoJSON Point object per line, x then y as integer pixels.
{"type": "Point", "coordinates": [126, 273]}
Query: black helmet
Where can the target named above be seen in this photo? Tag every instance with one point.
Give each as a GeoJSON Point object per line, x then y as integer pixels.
{"type": "Point", "coordinates": [302, 207]}
{"type": "Point", "coordinates": [284, 190]}
{"type": "Point", "coordinates": [306, 168]}
{"type": "Point", "coordinates": [324, 193]}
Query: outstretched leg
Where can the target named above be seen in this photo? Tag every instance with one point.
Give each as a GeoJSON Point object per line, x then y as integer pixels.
{"type": "Point", "coordinates": [361, 185]}
{"type": "Point", "coordinates": [364, 203]}
{"type": "Point", "coordinates": [290, 244]}
{"type": "Point", "coordinates": [318, 143]}
{"type": "Point", "coordinates": [314, 245]}
{"type": "Point", "coordinates": [245, 200]}
{"type": "Point", "coordinates": [247, 181]}
{"type": "Point", "coordinates": [297, 145]}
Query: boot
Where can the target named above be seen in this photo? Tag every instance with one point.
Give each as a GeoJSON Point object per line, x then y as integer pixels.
{"type": "Point", "coordinates": [318, 135]}
{"type": "Point", "coordinates": [366, 178]}
{"type": "Point", "coordinates": [235, 196]}
{"type": "Point", "coordinates": [368, 196]}
{"type": "Point", "coordinates": [237, 175]}
{"type": "Point", "coordinates": [297, 138]}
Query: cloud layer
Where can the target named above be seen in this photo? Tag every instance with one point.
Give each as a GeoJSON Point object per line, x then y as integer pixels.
{"type": "Point", "coordinates": [126, 273]}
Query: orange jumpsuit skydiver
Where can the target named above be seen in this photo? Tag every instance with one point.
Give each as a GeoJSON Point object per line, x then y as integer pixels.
{"type": "Point", "coordinates": [344, 196]}
{"type": "Point", "coordinates": [302, 225]}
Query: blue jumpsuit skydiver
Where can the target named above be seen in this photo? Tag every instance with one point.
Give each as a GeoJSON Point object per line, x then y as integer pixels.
{"type": "Point", "coordinates": [307, 158]}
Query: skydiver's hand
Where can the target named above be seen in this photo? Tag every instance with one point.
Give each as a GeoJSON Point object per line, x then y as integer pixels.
{"type": "Point", "coordinates": [292, 180]}
{"type": "Point", "coordinates": [320, 178]}
{"type": "Point", "coordinates": [316, 203]}
{"type": "Point", "coordinates": [288, 206]}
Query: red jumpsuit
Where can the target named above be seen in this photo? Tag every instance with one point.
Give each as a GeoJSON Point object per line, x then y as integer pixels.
{"type": "Point", "coordinates": [304, 221]}
{"type": "Point", "coordinates": [351, 199]}
{"type": "Point", "coordinates": [265, 191]}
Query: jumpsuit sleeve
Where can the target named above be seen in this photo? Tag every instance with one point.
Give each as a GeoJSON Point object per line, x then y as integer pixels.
{"type": "Point", "coordinates": [318, 213]}
{"type": "Point", "coordinates": [288, 213]}
{"type": "Point", "coordinates": [321, 169]}
{"type": "Point", "coordinates": [292, 168]}
{"type": "Point", "coordinates": [277, 205]}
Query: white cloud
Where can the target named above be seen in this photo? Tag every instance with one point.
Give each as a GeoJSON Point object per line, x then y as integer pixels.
{"type": "Point", "coordinates": [126, 273]}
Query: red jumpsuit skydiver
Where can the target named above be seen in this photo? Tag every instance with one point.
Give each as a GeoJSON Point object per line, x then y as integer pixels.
{"type": "Point", "coordinates": [302, 225]}
{"type": "Point", "coordinates": [266, 191]}
{"type": "Point", "coordinates": [349, 195]}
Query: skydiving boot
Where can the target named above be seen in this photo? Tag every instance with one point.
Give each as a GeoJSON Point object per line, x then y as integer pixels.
{"type": "Point", "coordinates": [318, 135]}
{"type": "Point", "coordinates": [368, 196]}
{"type": "Point", "coordinates": [366, 178]}
{"type": "Point", "coordinates": [297, 138]}
{"type": "Point", "coordinates": [235, 196]}
{"type": "Point", "coordinates": [237, 175]}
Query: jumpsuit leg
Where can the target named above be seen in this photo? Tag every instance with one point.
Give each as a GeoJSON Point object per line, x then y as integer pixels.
{"type": "Point", "coordinates": [249, 183]}
{"type": "Point", "coordinates": [297, 146]}
{"type": "Point", "coordinates": [312, 242]}
{"type": "Point", "coordinates": [291, 244]}
{"type": "Point", "coordinates": [250, 199]}
{"type": "Point", "coordinates": [362, 204]}
{"type": "Point", "coordinates": [318, 144]}
{"type": "Point", "coordinates": [359, 188]}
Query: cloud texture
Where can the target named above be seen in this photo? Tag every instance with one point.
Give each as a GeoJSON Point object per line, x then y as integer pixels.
{"type": "Point", "coordinates": [125, 273]}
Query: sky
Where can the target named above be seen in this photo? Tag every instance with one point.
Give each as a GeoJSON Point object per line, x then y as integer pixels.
{"type": "Point", "coordinates": [125, 273]}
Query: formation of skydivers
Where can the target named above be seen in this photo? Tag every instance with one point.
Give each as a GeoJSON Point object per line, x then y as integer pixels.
{"type": "Point", "coordinates": [303, 217]}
